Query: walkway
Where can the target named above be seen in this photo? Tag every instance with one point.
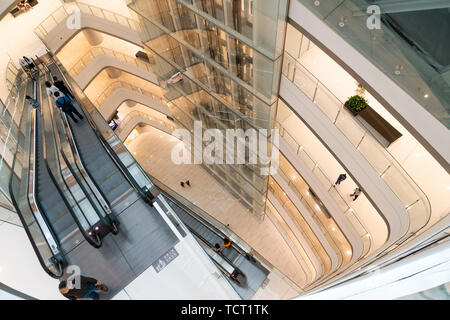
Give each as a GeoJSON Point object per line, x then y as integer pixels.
{"type": "Point", "coordinates": [153, 150]}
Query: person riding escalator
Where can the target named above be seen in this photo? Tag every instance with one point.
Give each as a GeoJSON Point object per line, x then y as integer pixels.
{"type": "Point", "coordinates": [65, 104]}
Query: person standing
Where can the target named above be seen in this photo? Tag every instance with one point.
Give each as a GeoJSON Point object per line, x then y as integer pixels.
{"type": "Point", "coordinates": [227, 242]}
{"type": "Point", "coordinates": [33, 102]}
{"type": "Point", "coordinates": [341, 178]}
{"type": "Point", "coordinates": [65, 104]}
{"type": "Point", "coordinates": [188, 183]}
{"type": "Point", "coordinates": [51, 90]}
{"type": "Point", "coordinates": [356, 193]}
{"type": "Point", "coordinates": [182, 184]}
{"type": "Point", "coordinates": [62, 87]}
{"type": "Point", "coordinates": [89, 288]}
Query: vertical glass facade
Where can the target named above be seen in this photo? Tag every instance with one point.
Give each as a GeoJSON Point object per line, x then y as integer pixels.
{"type": "Point", "coordinates": [230, 55]}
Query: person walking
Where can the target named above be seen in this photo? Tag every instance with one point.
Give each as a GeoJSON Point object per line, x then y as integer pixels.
{"type": "Point", "coordinates": [89, 289]}
{"type": "Point", "coordinates": [182, 184]}
{"type": "Point", "coordinates": [33, 102]}
{"type": "Point", "coordinates": [217, 248]}
{"type": "Point", "coordinates": [51, 90]}
{"type": "Point", "coordinates": [227, 242]}
{"type": "Point", "coordinates": [27, 65]}
{"type": "Point", "coordinates": [341, 178]}
{"type": "Point", "coordinates": [67, 107]}
{"type": "Point", "coordinates": [62, 87]}
{"type": "Point", "coordinates": [356, 193]}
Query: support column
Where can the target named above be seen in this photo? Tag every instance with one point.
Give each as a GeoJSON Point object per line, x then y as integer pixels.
{"type": "Point", "coordinates": [113, 73]}
{"type": "Point", "coordinates": [94, 38]}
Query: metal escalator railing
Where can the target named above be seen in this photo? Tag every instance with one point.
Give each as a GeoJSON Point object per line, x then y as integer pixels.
{"type": "Point", "coordinates": [22, 188]}
{"type": "Point", "coordinates": [95, 202]}
{"type": "Point", "coordinates": [63, 179]}
{"type": "Point", "coordinates": [126, 163]}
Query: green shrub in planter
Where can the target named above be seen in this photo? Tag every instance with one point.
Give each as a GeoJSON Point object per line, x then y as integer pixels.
{"type": "Point", "coordinates": [356, 103]}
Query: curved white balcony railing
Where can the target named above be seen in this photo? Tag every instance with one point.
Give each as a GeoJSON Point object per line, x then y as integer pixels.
{"type": "Point", "coordinates": [120, 84]}
{"type": "Point", "coordinates": [328, 184]}
{"type": "Point", "coordinates": [296, 223]}
{"type": "Point", "coordinates": [292, 177]}
{"type": "Point", "coordinates": [396, 178]}
{"type": "Point", "coordinates": [97, 51]}
{"type": "Point", "coordinates": [136, 113]}
{"type": "Point", "coordinates": [69, 9]}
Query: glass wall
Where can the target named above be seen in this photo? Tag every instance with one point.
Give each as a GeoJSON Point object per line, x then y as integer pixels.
{"type": "Point", "coordinates": [219, 63]}
{"type": "Point", "coordinates": [404, 52]}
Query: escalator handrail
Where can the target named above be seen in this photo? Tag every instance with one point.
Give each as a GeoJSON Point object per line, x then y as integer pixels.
{"type": "Point", "coordinates": [84, 171]}
{"type": "Point", "coordinates": [165, 190]}
{"type": "Point", "coordinates": [94, 242]}
{"type": "Point", "coordinates": [58, 263]}
{"type": "Point", "coordinates": [210, 245]}
{"type": "Point", "coordinates": [105, 144]}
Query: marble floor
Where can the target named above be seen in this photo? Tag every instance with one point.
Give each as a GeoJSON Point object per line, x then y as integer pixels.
{"type": "Point", "coordinates": [152, 149]}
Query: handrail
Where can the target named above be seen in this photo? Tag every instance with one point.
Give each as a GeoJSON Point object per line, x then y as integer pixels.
{"type": "Point", "coordinates": [62, 12]}
{"type": "Point", "coordinates": [94, 52]}
{"type": "Point", "coordinates": [13, 75]}
{"type": "Point", "coordinates": [28, 182]}
{"type": "Point", "coordinates": [94, 240]}
{"type": "Point", "coordinates": [238, 243]}
{"type": "Point", "coordinates": [85, 175]}
{"type": "Point", "coordinates": [349, 211]}
{"type": "Point", "coordinates": [319, 222]}
{"type": "Point", "coordinates": [117, 160]}
{"type": "Point", "coordinates": [120, 84]}
{"type": "Point", "coordinates": [366, 135]}
{"type": "Point", "coordinates": [319, 273]}
{"type": "Point", "coordinates": [136, 113]}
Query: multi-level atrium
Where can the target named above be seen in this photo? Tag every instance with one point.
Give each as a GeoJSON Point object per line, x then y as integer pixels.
{"type": "Point", "coordinates": [332, 183]}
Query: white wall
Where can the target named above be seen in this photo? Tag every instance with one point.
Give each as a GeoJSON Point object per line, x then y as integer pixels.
{"type": "Point", "coordinates": [19, 39]}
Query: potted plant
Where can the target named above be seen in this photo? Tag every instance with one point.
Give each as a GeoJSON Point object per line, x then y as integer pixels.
{"type": "Point", "coordinates": [356, 104]}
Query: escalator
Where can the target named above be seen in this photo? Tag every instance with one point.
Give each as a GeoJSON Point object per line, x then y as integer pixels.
{"type": "Point", "coordinates": [119, 166]}
{"type": "Point", "coordinates": [42, 189]}
{"type": "Point", "coordinates": [249, 274]}
{"type": "Point", "coordinates": [77, 174]}
{"type": "Point", "coordinates": [23, 183]}
{"type": "Point", "coordinates": [59, 205]}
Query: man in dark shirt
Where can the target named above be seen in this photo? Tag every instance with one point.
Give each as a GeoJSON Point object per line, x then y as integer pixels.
{"type": "Point", "coordinates": [87, 291]}
{"type": "Point", "coordinates": [67, 107]}
{"type": "Point", "coordinates": [62, 87]}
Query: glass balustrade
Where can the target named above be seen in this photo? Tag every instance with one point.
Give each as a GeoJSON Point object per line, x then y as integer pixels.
{"type": "Point", "coordinates": [67, 10]}
{"type": "Point", "coordinates": [139, 114]}
{"type": "Point", "coordinates": [403, 186]}
{"type": "Point", "coordinates": [97, 51]}
{"type": "Point", "coordinates": [328, 184]}
{"type": "Point", "coordinates": [327, 225]}
{"type": "Point", "coordinates": [396, 50]}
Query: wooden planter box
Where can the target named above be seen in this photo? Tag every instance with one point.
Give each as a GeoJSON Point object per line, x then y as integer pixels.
{"type": "Point", "coordinates": [377, 123]}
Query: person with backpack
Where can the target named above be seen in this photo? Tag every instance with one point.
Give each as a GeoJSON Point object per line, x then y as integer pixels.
{"type": "Point", "coordinates": [51, 90]}
{"type": "Point", "coordinates": [62, 87]}
{"type": "Point", "coordinates": [65, 104]}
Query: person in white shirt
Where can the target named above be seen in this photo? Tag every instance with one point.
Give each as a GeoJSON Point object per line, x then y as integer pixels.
{"type": "Point", "coordinates": [356, 193]}
{"type": "Point", "coordinates": [51, 89]}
